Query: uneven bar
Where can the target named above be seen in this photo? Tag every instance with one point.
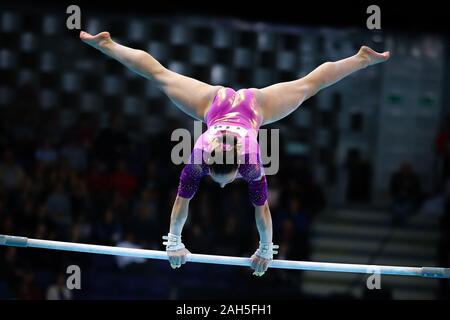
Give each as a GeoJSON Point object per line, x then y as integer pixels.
{"type": "Point", "coordinates": [425, 272]}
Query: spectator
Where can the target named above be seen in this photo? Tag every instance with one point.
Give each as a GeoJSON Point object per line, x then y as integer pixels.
{"type": "Point", "coordinates": [59, 290]}
{"type": "Point", "coordinates": [59, 208]}
{"type": "Point", "coordinates": [274, 194]}
{"type": "Point", "coordinates": [147, 199]}
{"type": "Point", "coordinates": [75, 154]}
{"type": "Point", "coordinates": [108, 230]}
{"type": "Point", "coordinates": [443, 151]}
{"type": "Point", "coordinates": [128, 242]}
{"type": "Point", "coordinates": [112, 142]}
{"type": "Point", "coordinates": [292, 226]}
{"type": "Point", "coordinates": [123, 181]}
{"type": "Point", "coordinates": [27, 289]}
{"type": "Point", "coordinates": [151, 178]}
{"type": "Point", "coordinates": [10, 266]}
{"type": "Point", "coordinates": [359, 177]}
{"type": "Point", "coordinates": [98, 179]}
{"type": "Point", "coordinates": [405, 192]}
{"type": "Point", "coordinates": [231, 236]}
{"type": "Point", "coordinates": [145, 223]}
{"type": "Point", "coordinates": [11, 174]}
{"type": "Point", "coordinates": [79, 195]}
{"type": "Point", "coordinates": [46, 154]}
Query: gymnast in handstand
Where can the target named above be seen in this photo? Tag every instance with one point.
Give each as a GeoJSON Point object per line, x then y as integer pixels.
{"type": "Point", "coordinates": [229, 148]}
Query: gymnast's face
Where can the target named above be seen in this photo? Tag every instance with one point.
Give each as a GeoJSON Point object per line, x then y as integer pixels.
{"type": "Point", "coordinates": [224, 179]}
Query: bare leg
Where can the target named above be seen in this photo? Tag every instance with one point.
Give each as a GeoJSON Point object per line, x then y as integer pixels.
{"type": "Point", "coordinates": [279, 100]}
{"type": "Point", "coordinates": [190, 95]}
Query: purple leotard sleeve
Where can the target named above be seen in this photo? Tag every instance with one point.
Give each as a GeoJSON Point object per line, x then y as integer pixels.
{"type": "Point", "coordinates": [191, 175]}
{"type": "Point", "coordinates": [253, 174]}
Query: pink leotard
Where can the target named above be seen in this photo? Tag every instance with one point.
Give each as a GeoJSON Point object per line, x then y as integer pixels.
{"type": "Point", "coordinates": [237, 113]}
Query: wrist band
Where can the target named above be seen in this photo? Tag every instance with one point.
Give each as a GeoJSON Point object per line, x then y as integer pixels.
{"type": "Point", "coordinates": [266, 250]}
{"type": "Point", "coordinates": [173, 242]}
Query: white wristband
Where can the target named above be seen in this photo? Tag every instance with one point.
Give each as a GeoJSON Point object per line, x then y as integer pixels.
{"type": "Point", "coordinates": [266, 250]}
{"type": "Point", "coordinates": [173, 242]}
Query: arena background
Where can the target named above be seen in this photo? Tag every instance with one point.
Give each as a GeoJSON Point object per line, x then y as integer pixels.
{"type": "Point", "coordinates": [85, 156]}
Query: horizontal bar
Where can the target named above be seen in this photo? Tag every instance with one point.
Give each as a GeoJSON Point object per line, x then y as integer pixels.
{"type": "Point", "coordinates": [426, 272]}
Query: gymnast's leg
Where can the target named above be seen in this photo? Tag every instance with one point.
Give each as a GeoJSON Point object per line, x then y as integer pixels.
{"type": "Point", "coordinates": [190, 95]}
{"type": "Point", "coordinates": [279, 100]}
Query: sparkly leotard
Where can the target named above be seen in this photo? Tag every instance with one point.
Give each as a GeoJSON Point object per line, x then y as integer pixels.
{"type": "Point", "coordinates": [235, 113]}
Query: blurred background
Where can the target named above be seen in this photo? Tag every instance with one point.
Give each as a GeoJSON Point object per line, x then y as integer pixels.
{"type": "Point", "coordinates": [85, 156]}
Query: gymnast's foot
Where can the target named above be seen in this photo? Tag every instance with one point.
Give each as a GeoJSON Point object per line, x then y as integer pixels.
{"type": "Point", "coordinates": [99, 41]}
{"type": "Point", "coordinates": [371, 57]}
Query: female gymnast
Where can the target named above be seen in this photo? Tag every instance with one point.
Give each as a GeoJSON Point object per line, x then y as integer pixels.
{"type": "Point", "coordinates": [229, 148]}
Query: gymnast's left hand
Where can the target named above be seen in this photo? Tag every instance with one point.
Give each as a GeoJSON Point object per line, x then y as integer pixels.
{"type": "Point", "coordinates": [178, 257]}
{"type": "Point", "coordinates": [259, 264]}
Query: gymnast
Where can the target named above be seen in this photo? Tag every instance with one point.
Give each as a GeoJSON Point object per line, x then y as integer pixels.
{"type": "Point", "coordinates": [229, 148]}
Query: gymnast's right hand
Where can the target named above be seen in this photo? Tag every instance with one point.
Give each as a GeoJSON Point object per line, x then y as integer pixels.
{"type": "Point", "coordinates": [178, 257]}
{"type": "Point", "coordinates": [99, 41]}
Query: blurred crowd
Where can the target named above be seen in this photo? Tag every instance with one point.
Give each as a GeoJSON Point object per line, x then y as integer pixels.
{"type": "Point", "coordinates": [100, 179]}
{"type": "Point", "coordinates": [443, 188]}
{"type": "Point", "coordinates": [107, 183]}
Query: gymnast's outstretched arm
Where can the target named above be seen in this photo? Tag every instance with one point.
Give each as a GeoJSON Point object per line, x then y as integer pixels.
{"type": "Point", "coordinates": [279, 100]}
{"type": "Point", "coordinates": [190, 95]}
{"type": "Point", "coordinates": [264, 225]}
{"type": "Point", "coordinates": [180, 209]}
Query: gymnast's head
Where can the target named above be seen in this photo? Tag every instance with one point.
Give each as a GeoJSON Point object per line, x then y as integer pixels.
{"type": "Point", "coordinates": [223, 159]}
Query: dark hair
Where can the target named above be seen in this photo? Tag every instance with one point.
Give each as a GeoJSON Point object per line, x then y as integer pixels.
{"type": "Point", "coordinates": [227, 158]}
